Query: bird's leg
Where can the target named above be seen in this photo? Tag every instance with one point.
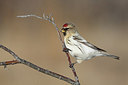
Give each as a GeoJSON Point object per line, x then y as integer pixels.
{"type": "Point", "coordinates": [72, 64]}
{"type": "Point", "coordinates": [66, 49]}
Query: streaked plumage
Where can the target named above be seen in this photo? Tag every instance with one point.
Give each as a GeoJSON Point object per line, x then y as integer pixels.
{"type": "Point", "coordinates": [79, 47]}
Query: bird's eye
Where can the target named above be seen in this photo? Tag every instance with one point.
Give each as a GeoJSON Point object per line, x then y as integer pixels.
{"type": "Point", "coordinates": [66, 29]}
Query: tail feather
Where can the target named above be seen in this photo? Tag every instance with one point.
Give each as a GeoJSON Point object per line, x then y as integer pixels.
{"type": "Point", "coordinates": [113, 56]}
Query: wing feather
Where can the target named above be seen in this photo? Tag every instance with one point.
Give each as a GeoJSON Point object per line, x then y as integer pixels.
{"type": "Point", "coordinates": [83, 41]}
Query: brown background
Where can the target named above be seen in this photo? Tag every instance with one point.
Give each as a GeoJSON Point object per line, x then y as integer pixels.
{"type": "Point", "coordinates": [102, 22]}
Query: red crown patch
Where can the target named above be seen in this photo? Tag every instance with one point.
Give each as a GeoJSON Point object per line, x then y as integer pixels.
{"type": "Point", "coordinates": [65, 25]}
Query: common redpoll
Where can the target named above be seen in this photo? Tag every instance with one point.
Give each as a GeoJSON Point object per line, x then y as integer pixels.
{"type": "Point", "coordinates": [78, 47]}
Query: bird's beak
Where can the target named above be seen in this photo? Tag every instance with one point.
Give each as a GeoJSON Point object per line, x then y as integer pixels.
{"type": "Point", "coordinates": [62, 30]}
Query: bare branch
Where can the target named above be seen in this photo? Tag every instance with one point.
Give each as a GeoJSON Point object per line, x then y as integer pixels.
{"type": "Point", "coordinates": [45, 17]}
{"type": "Point", "coordinates": [13, 62]}
{"type": "Point", "coordinates": [31, 65]}
{"type": "Point", "coordinates": [31, 15]}
{"type": "Point", "coordinates": [51, 20]}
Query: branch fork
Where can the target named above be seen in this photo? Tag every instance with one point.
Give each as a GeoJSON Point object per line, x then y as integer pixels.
{"type": "Point", "coordinates": [22, 61]}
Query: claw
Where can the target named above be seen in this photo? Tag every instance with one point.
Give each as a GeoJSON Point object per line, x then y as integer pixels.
{"type": "Point", "coordinates": [66, 50]}
{"type": "Point", "coordinates": [72, 64]}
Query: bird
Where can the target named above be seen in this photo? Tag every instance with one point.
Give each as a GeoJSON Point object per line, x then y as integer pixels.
{"type": "Point", "coordinates": [80, 48]}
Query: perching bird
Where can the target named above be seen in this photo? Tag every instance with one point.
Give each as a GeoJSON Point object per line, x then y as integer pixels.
{"type": "Point", "coordinates": [78, 47]}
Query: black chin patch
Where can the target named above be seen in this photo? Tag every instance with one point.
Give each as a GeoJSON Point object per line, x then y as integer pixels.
{"type": "Point", "coordinates": [65, 29]}
{"type": "Point", "coordinates": [64, 33]}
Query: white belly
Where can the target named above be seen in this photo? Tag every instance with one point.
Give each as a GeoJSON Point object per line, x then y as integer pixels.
{"type": "Point", "coordinates": [81, 52]}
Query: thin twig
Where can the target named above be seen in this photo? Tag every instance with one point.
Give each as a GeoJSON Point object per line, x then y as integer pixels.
{"type": "Point", "coordinates": [13, 62]}
{"type": "Point", "coordinates": [45, 17]}
{"type": "Point", "coordinates": [51, 20]}
{"type": "Point", "coordinates": [5, 63]}
{"type": "Point", "coordinates": [42, 70]}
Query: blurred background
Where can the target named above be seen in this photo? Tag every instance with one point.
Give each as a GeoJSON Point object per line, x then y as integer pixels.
{"type": "Point", "coordinates": [102, 22]}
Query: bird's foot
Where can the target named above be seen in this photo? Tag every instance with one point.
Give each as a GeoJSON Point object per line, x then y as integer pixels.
{"type": "Point", "coordinates": [72, 64]}
{"type": "Point", "coordinates": [66, 50]}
